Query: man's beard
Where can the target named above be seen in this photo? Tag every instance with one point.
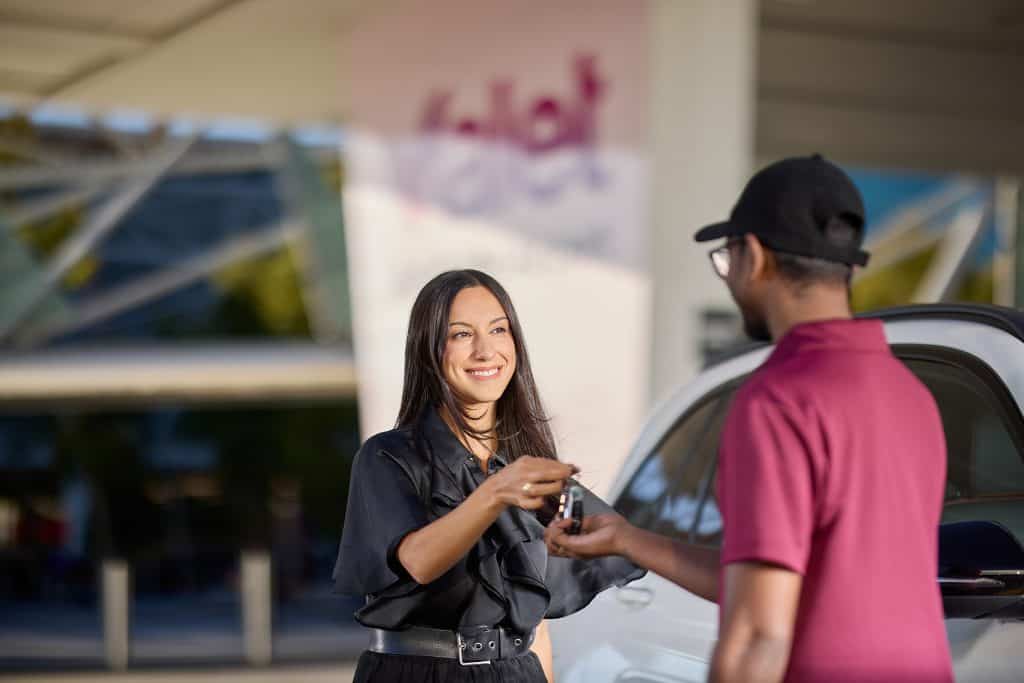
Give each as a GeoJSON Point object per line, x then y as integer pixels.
{"type": "Point", "coordinates": [755, 327]}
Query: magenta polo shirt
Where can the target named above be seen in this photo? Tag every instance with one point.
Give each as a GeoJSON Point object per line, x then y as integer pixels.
{"type": "Point", "coordinates": [833, 465]}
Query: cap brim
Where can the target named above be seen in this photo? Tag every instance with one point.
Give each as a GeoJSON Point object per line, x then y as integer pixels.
{"type": "Point", "coordinates": [716, 231]}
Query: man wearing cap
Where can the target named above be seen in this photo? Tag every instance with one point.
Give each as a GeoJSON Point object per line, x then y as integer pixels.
{"type": "Point", "coordinates": [831, 469]}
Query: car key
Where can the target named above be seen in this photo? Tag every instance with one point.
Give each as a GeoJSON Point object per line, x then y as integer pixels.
{"type": "Point", "coordinates": [572, 507]}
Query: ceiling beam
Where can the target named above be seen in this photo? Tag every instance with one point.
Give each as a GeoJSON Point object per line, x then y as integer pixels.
{"type": "Point", "coordinates": [13, 18]}
{"type": "Point", "coordinates": [94, 230]}
{"type": "Point", "coordinates": [990, 42]}
{"type": "Point", "coordinates": [147, 288]}
{"type": "Point", "coordinates": [142, 377]}
{"type": "Point", "coordinates": [25, 176]}
{"type": "Point", "coordinates": [92, 68]}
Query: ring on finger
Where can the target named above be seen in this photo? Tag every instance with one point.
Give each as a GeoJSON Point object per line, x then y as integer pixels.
{"type": "Point", "coordinates": [527, 487]}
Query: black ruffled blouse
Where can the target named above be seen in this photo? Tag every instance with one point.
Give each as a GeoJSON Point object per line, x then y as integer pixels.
{"type": "Point", "coordinates": [506, 579]}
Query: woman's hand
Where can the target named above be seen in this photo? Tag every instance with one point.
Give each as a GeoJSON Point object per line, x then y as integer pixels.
{"type": "Point", "coordinates": [430, 551]}
{"type": "Point", "coordinates": [528, 481]}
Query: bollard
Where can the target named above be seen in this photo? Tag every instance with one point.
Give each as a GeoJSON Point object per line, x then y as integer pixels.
{"type": "Point", "coordinates": [256, 608]}
{"type": "Point", "coordinates": [116, 578]}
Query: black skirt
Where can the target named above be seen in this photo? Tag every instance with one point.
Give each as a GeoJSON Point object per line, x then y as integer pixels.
{"type": "Point", "coordinates": [374, 667]}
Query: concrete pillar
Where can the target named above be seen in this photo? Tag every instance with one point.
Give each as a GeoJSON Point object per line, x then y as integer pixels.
{"type": "Point", "coordinates": [1007, 274]}
{"type": "Point", "coordinates": [117, 597]}
{"type": "Point", "coordinates": [257, 626]}
{"type": "Point", "coordinates": [702, 132]}
{"type": "Point", "coordinates": [1018, 261]}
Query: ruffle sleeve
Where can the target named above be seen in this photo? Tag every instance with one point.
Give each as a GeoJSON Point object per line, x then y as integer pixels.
{"type": "Point", "coordinates": [384, 506]}
{"type": "Point", "coordinates": [519, 579]}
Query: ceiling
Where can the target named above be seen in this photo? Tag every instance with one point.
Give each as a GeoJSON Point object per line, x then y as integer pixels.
{"type": "Point", "coordinates": [927, 84]}
{"type": "Point", "coordinates": [249, 58]}
{"type": "Point", "coordinates": [932, 81]}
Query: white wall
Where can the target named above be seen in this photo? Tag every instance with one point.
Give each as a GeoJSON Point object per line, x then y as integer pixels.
{"type": "Point", "coordinates": [563, 229]}
{"type": "Point", "coordinates": [702, 118]}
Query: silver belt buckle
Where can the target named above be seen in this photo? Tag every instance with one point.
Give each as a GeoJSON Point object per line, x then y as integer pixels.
{"type": "Point", "coordinates": [462, 648]}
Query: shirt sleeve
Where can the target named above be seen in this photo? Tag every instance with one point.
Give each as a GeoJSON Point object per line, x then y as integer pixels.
{"type": "Point", "coordinates": [766, 484]}
{"type": "Point", "coordinates": [384, 506]}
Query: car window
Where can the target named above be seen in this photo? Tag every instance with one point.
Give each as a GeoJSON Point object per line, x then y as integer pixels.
{"type": "Point", "coordinates": [985, 478]}
{"type": "Point", "coordinates": [672, 492]}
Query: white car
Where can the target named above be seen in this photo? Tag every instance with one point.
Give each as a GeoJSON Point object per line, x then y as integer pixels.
{"type": "Point", "coordinates": [972, 359]}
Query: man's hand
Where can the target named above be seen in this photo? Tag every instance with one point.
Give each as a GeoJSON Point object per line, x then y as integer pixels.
{"type": "Point", "coordinates": [693, 567]}
{"type": "Point", "coordinates": [599, 535]}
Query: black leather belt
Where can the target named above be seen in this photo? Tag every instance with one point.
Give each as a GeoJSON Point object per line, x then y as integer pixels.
{"type": "Point", "coordinates": [471, 646]}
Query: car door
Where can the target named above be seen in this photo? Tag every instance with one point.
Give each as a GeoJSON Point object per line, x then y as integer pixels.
{"type": "Point", "coordinates": [985, 483]}
{"type": "Point", "coordinates": [652, 631]}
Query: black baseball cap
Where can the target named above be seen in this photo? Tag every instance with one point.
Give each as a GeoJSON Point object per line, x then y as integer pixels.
{"type": "Point", "coordinates": [789, 204]}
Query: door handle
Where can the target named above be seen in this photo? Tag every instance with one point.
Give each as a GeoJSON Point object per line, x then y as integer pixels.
{"type": "Point", "coordinates": [983, 583]}
{"type": "Point", "coordinates": [636, 598]}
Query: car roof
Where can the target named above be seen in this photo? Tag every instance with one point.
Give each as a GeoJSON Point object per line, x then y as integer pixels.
{"type": "Point", "coordinates": [1008, 320]}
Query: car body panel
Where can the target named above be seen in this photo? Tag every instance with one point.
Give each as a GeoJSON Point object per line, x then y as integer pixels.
{"type": "Point", "coordinates": [670, 638]}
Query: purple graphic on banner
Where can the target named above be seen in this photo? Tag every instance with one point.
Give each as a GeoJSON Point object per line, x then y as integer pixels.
{"type": "Point", "coordinates": [519, 150]}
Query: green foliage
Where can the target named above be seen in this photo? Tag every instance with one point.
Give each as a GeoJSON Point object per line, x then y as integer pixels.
{"type": "Point", "coordinates": [978, 287]}
{"type": "Point", "coordinates": [44, 237]}
{"type": "Point", "coordinates": [262, 296]}
{"type": "Point", "coordinates": [893, 285]}
{"type": "Point", "coordinates": [896, 284]}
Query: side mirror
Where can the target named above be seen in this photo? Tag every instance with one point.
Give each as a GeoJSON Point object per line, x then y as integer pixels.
{"type": "Point", "coordinates": [981, 571]}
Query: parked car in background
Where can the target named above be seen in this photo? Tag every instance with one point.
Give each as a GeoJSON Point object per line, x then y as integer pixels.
{"type": "Point", "coordinates": [972, 359]}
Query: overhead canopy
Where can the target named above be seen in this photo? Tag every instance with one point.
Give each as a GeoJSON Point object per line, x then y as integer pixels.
{"type": "Point", "coordinates": [913, 83]}
{"type": "Point", "coordinates": [137, 377]}
{"type": "Point", "coordinates": [263, 59]}
{"type": "Point", "coordinates": [907, 83]}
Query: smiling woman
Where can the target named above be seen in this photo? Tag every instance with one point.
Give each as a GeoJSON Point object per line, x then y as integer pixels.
{"type": "Point", "coordinates": [479, 356]}
{"type": "Point", "coordinates": [444, 531]}
{"type": "Point", "coordinates": [466, 357]}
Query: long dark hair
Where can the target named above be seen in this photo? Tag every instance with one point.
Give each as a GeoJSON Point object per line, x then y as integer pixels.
{"type": "Point", "coordinates": [521, 425]}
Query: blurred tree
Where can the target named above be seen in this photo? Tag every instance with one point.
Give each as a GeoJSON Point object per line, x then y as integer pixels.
{"type": "Point", "coordinates": [261, 296]}
{"type": "Point", "coordinates": [891, 286]}
{"type": "Point", "coordinates": [44, 236]}
{"type": "Point", "coordinates": [978, 286]}
{"type": "Point", "coordinates": [896, 284]}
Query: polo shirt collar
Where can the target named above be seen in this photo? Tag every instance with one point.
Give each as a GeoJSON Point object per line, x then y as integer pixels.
{"type": "Point", "coordinates": [856, 335]}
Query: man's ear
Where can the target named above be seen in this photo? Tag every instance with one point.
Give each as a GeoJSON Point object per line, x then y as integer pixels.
{"type": "Point", "coordinates": [762, 265]}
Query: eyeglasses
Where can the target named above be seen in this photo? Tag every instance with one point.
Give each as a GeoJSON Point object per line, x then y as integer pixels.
{"type": "Point", "coordinates": [722, 257]}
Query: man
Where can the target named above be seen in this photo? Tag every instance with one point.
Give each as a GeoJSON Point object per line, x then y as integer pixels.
{"type": "Point", "coordinates": [831, 469]}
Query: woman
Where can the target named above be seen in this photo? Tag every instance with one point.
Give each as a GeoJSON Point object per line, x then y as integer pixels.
{"type": "Point", "coordinates": [444, 532]}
